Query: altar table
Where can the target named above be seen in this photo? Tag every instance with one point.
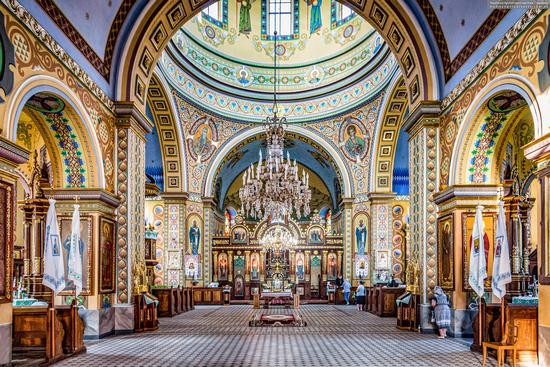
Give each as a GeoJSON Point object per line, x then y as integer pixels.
{"type": "Point", "coordinates": [277, 298]}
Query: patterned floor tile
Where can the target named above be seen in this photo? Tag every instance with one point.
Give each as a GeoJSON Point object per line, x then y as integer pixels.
{"type": "Point", "coordinates": [220, 336]}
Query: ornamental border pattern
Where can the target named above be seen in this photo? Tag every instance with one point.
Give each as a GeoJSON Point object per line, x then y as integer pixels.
{"type": "Point", "coordinates": [122, 217]}
{"type": "Point", "coordinates": [55, 48]}
{"type": "Point", "coordinates": [495, 52]}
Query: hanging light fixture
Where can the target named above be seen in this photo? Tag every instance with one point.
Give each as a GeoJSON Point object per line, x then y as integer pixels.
{"type": "Point", "coordinates": [278, 238]}
{"type": "Point", "coordinates": [274, 188]}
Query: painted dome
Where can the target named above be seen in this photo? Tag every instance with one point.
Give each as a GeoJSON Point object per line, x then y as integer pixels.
{"type": "Point", "coordinates": [330, 59]}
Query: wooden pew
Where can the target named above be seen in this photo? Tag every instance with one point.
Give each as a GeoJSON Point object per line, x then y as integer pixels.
{"type": "Point", "coordinates": [387, 307]}
{"type": "Point", "coordinates": [167, 301]}
{"type": "Point", "coordinates": [73, 341]}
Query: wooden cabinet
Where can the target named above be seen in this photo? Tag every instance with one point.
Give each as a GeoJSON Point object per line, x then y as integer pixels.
{"type": "Point", "coordinates": [387, 307]}
{"type": "Point", "coordinates": [73, 326]}
{"type": "Point", "coordinates": [207, 296]}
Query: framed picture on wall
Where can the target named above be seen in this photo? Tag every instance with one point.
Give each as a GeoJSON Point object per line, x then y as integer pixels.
{"type": "Point", "coordinates": [445, 252]}
{"type": "Point", "coordinates": [489, 219]}
{"type": "Point", "coordinates": [6, 240]}
{"type": "Point", "coordinates": [382, 260]}
{"type": "Point", "coordinates": [107, 256]}
{"type": "Point", "coordinates": [86, 252]}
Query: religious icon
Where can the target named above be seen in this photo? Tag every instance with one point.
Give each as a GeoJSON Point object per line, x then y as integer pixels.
{"type": "Point", "coordinates": [201, 141]}
{"type": "Point", "coordinates": [487, 245]}
{"type": "Point", "coordinates": [355, 145]}
{"type": "Point", "coordinates": [227, 223]}
{"type": "Point", "coordinates": [106, 256]}
{"type": "Point", "coordinates": [382, 261]}
{"type": "Point", "coordinates": [332, 268]}
{"type": "Point", "coordinates": [315, 21]}
{"type": "Point", "coordinates": [243, 76]}
{"type": "Point", "coordinates": [362, 266]}
{"type": "Point", "coordinates": [300, 265]}
{"type": "Point", "coordinates": [239, 286]}
{"type": "Point", "coordinates": [222, 269]}
{"type": "Point", "coordinates": [361, 237]}
{"type": "Point", "coordinates": [245, 26]}
{"type": "Point", "coordinates": [315, 235]}
{"type": "Point", "coordinates": [192, 269]}
{"type": "Point", "coordinates": [194, 236]}
{"type": "Point", "coordinates": [446, 252]}
{"type": "Point", "coordinates": [239, 235]}
{"type": "Point", "coordinates": [255, 267]}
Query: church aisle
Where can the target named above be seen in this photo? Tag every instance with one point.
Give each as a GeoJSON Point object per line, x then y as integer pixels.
{"type": "Point", "coordinates": [220, 336]}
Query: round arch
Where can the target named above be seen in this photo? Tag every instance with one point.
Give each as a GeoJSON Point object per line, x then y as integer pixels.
{"type": "Point", "coordinates": [388, 126]}
{"type": "Point", "coordinates": [221, 153]}
{"type": "Point", "coordinates": [85, 130]}
{"type": "Point", "coordinates": [461, 149]}
{"type": "Point", "coordinates": [159, 21]}
{"type": "Point", "coordinates": [168, 126]}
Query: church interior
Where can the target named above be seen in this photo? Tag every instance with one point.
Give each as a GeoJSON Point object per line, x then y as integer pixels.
{"type": "Point", "coordinates": [274, 182]}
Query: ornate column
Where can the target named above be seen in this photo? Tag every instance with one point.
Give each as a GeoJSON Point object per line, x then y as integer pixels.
{"type": "Point", "coordinates": [132, 126]}
{"type": "Point", "coordinates": [262, 266]}
{"type": "Point", "coordinates": [11, 155]}
{"type": "Point", "coordinates": [422, 125]}
{"type": "Point", "coordinates": [209, 208]}
{"type": "Point", "coordinates": [347, 235]}
{"type": "Point", "coordinates": [539, 152]}
{"type": "Point", "coordinates": [215, 268]}
{"type": "Point", "coordinates": [307, 265]}
{"type": "Point", "coordinates": [324, 266]}
{"type": "Point", "coordinates": [230, 266]}
{"type": "Point", "coordinates": [247, 266]}
{"type": "Point", "coordinates": [339, 262]}
{"type": "Point", "coordinates": [175, 230]}
{"type": "Point", "coordinates": [381, 232]}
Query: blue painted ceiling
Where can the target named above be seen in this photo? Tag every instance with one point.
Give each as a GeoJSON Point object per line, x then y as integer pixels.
{"type": "Point", "coordinates": [299, 150]}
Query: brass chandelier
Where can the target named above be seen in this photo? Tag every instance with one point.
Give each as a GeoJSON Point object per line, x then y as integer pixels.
{"type": "Point", "coordinates": [278, 238]}
{"type": "Point", "coordinates": [274, 189]}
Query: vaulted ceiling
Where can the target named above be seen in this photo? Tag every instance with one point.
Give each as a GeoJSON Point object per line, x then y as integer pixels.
{"type": "Point", "coordinates": [94, 31]}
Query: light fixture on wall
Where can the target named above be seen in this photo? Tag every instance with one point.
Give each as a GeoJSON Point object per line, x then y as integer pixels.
{"type": "Point", "coordinates": [274, 189]}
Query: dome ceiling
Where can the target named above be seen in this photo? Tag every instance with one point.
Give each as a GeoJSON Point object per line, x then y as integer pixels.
{"type": "Point", "coordinates": [330, 61]}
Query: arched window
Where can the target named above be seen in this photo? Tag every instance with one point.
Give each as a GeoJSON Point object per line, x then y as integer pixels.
{"type": "Point", "coordinates": [280, 15]}
{"type": "Point", "coordinates": [340, 14]}
{"type": "Point", "coordinates": [216, 14]}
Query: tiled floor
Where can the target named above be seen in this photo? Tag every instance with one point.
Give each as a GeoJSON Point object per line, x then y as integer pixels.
{"type": "Point", "coordinates": [220, 336]}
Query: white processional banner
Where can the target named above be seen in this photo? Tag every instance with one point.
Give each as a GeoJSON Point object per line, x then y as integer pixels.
{"type": "Point", "coordinates": [502, 273]}
{"type": "Point", "coordinates": [74, 258]}
{"type": "Point", "coordinates": [54, 269]}
{"type": "Point", "coordinates": [478, 266]}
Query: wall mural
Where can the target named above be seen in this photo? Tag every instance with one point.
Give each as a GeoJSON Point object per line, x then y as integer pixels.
{"type": "Point", "coordinates": [195, 235]}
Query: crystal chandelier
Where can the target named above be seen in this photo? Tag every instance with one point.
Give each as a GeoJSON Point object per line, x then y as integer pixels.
{"type": "Point", "coordinates": [274, 188]}
{"type": "Point", "coordinates": [278, 238]}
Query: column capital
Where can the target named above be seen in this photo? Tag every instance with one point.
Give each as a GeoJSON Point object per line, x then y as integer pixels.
{"type": "Point", "coordinates": [467, 196]}
{"type": "Point", "coordinates": [128, 115]}
{"type": "Point", "coordinates": [425, 114]}
{"type": "Point", "coordinates": [209, 201]}
{"type": "Point", "coordinates": [381, 197]}
{"type": "Point", "coordinates": [347, 201]}
{"type": "Point", "coordinates": [538, 150]}
{"type": "Point", "coordinates": [11, 153]}
{"type": "Point", "coordinates": [180, 197]}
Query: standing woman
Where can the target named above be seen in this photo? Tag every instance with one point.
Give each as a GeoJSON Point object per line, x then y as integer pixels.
{"type": "Point", "coordinates": [442, 311]}
{"type": "Point", "coordinates": [360, 296]}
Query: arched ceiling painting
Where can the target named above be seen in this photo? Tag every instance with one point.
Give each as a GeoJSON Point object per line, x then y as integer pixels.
{"type": "Point", "coordinates": [230, 72]}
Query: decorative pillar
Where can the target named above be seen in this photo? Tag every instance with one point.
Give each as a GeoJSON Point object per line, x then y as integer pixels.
{"type": "Point", "coordinates": [339, 262]}
{"type": "Point", "coordinates": [307, 265]}
{"type": "Point", "coordinates": [209, 209]}
{"type": "Point", "coordinates": [230, 266]}
{"type": "Point", "coordinates": [262, 266]}
{"type": "Point", "coordinates": [324, 266]}
{"type": "Point", "coordinates": [381, 232]}
{"type": "Point", "coordinates": [292, 262]}
{"type": "Point", "coordinates": [247, 266]}
{"type": "Point", "coordinates": [175, 233]}
{"type": "Point", "coordinates": [347, 234]}
{"type": "Point", "coordinates": [539, 152]}
{"type": "Point", "coordinates": [132, 125]}
{"type": "Point", "coordinates": [215, 268]}
{"type": "Point", "coordinates": [422, 126]}
{"type": "Point", "coordinates": [11, 155]}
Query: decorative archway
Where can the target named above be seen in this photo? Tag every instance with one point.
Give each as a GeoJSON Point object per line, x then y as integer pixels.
{"type": "Point", "coordinates": [394, 107]}
{"type": "Point", "coordinates": [218, 158]}
{"type": "Point", "coordinates": [171, 137]}
{"type": "Point", "coordinates": [161, 20]}
{"type": "Point", "coordinates": [67, 129]}
{"type": "Point", "coordinates": [462, 164]}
